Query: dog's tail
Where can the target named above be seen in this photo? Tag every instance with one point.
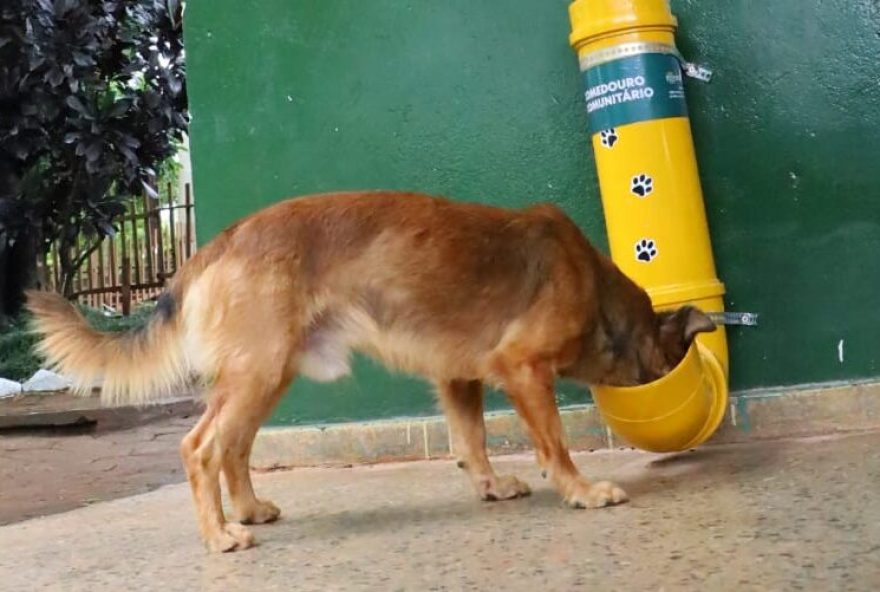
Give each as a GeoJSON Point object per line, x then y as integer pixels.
{"type": "Point", "coordinates": [138, 367]}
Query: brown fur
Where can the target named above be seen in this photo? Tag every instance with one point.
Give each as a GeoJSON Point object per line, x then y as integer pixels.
{"type": "Point", "coordinates": [461, 294]}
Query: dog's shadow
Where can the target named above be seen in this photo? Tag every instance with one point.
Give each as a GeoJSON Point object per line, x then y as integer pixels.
{"type": "Point", "coordinates": [649, 479]}
{"type": "Point", "coordinates": [418, 514]}
{"type": "Point", "coordinates": [686, 471]}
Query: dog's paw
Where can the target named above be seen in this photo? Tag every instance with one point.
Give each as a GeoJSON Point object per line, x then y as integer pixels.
{"type": "Point", "coordinates": [596, 495]}
{"type": "Point", "coordinates": [642, 185]}
{"type": "Point", "coordinates": [232, 537]}
{"type": "Point", "coordinates": [261, 512]}
{"type": "Point", "coordinates": [503, 487]}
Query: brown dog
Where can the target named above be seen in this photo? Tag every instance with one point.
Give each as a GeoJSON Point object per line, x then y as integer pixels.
{"type": "Point", "coordinates": [461, 294]}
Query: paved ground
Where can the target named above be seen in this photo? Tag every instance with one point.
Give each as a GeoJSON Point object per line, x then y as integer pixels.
{"type": "Point", "coordinates": [49, 470]}
{"type": "Point", "coordinates": [790, 515]}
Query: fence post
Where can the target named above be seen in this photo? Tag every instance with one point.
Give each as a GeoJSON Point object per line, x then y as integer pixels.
{"type": "Point", "coordinates": [160, 241]}
{"type": "Point", "coordinates": [189, 233]}
{"type": "Point", "coordinates": [148, 240]}
{"type": "Point", "coordinates": [171, 230]}
{"type": "Point", "coordinates": [102, 280]}
{"type": "Point", "coordinates": [56, 266]}
{"type": "Point", "coordinates": [135, 246]}
{"type": "Point", "coordinates": [126, 286]}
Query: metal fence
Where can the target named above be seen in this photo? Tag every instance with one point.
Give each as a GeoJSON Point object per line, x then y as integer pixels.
{"type": "Point", "coordinates": [153, 240]}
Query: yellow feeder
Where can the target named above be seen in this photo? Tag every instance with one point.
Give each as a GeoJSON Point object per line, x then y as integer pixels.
{"type": "Point", "coordinates": [657, 229]}
{"type": "Point", "coordinates": [677, 412]}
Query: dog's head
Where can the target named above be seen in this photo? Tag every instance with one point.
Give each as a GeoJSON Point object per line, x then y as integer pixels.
{"type": "Point", "coordinates": [677, 329]}
{"type": "Point", "coordinates": [650, 349]}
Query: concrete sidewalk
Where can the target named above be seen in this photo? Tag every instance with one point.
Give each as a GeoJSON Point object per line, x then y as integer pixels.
{"type": "Point", "coordinates": [783, 515]}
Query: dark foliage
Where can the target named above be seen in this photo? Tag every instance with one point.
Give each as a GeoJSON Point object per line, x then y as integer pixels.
{"type": "Point", "coordinates": [92, 101]}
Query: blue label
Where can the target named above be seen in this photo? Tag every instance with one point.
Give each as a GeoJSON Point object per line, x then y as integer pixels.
{"type": "Point", "coordinates": [636, 88]}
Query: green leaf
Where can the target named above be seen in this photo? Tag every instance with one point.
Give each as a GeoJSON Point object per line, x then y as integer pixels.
{"type": "Point", "coordinates": [76, 104]}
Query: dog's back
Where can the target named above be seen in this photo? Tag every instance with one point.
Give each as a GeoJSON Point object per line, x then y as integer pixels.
{"type": "Point", "coordinates": [427, 285]}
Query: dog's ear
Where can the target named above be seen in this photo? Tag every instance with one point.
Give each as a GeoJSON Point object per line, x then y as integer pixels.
{"type": "Point", "coordinates": [681, 326]}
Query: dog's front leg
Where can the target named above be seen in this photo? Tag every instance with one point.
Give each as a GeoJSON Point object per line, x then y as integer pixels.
{"type": "Point", "coordinates": [463, 404]}
{"type": "Point", "coordinates": [530, 388]}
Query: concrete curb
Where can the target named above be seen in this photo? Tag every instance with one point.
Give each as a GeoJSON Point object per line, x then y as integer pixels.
{"type": "Point", "coordinates": [754, 415]}
{"type": "Point", "coordinates": [64, 409]}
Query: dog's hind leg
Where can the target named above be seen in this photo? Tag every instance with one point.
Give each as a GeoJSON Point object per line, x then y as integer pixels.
{"type": "Point", "coordinates": [462, 402]}
{"type": "Point", "coordinates": [201, 452]}
{"type": "Point", "coordinates": [237, 403]}
{"type": "Point", "coordinates": [246, 414]}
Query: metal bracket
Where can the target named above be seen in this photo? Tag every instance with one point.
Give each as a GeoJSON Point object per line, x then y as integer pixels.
{"type": "Point", "coordinates": [692, 70]}
{"type": "Point", "coordinates": [696, 71]}
{"type": "Point", "coordinates": [748, 319]}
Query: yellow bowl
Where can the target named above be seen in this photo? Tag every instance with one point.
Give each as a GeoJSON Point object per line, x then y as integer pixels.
{"type": "Point", "coordinates": [679, 411]}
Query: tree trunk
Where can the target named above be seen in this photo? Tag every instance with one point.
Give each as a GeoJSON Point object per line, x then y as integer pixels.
{"type": "Point", "coordinates": [71, 261]}
{"type": "Point", "coordinates": [65, 261]}
{"type": "Point", "coordinates": [18, 266]}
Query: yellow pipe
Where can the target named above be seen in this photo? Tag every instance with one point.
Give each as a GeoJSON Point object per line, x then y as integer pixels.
{"type": "Point", "coordinates": [654, 213]}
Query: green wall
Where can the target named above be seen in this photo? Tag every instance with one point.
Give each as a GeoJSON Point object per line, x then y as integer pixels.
{"type": "Point", "coordinates": [464, 99]}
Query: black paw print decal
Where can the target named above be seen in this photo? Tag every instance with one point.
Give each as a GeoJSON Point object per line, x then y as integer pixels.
{"type": "Point", "coordinates": [646, 250]}
{"type": "Point", "coordinates": [608, 137]}
{"type": "Point", "coordinates": [642, 185]}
